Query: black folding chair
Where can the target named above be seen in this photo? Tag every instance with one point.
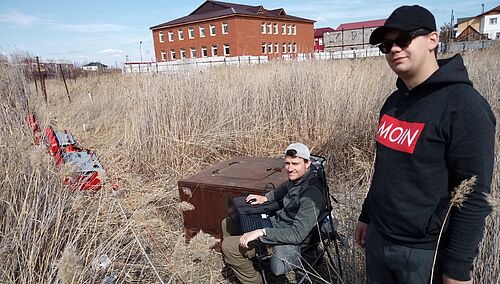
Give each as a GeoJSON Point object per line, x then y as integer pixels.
{"type": "Point", "coordinates": [323, 235]}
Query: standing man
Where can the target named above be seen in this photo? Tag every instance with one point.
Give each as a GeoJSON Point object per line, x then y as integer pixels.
{"type": "Point", "coordinates": [434, 132]}
{"type": "Point", "coordinates": [303, 201]}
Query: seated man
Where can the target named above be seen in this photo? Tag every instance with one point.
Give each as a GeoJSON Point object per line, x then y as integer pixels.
{"type": "Point", "coordinates": [303, 201]}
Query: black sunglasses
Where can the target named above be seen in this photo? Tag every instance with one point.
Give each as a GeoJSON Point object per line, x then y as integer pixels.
{"type": "Point", "coordinates": [403, 40]}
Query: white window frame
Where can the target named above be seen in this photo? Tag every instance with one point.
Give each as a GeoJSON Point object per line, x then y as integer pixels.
{"type": "Point", "coordinates": [214, 48]}
{"type": "Point", "coordinates": [264, 48]}
{"type": "Point", "coordinates": [172, 54]}
{"type": "Point", "coordinates": [493, 21]}
{"type": "Point", "coordinates": [183, 53]}
{"type": "Point", "coordinates": [294, 47]}
{"type": "Point", "coordinates": [226, 49]}
{"type": "Point", "coordinates": [276, 47]}
{"type": "Point", "coordinates": [290, 48]}
{"type": "Point", "coordinates": [289, 29]}
{"type": "Point", "coordinates": [202, 31]}
{"type": "Point", "coordinates": [163, 55]}
{"type": "Point", "coordinates": [204, 51]}
{"type": "Point", "coordinates": [192, 52]}
{"type": "Point", "coordinates": [263, 28]}
{"type": "Point", "coordinates": [180, 32]}
{"type": "Point", "coordinates": [269, 47]}
{"type": "Point", "coordinates": [269, 28]}
{"type": "Point", "coordinates": [212, 30]}
{"type": "Point", "coordinates": [320, 42]}
{"type": "Point", "coordinates": [275, 28]}
{"type": "Point", "coordinates": [294, 29]}
{"type": "Point", "coordinates": [190, 32]}
{"type": "Point", "coordinates": [283, 47]}
{"type": "Point", "coordinates": [283, 29]}
{"type": "Point", "coordinates": [225, 28]}
{"type": "Point", "coordinates": [161, 37]}
{"type": "Point", "coordinates": [170, 36]}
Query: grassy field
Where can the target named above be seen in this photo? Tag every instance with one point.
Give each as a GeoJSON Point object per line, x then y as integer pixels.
{"type": "Point", "coordinates": [150, 130]}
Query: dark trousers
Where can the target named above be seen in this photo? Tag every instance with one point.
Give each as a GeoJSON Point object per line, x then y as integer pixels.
{"type": "Point", "coordinates": [388, 263]}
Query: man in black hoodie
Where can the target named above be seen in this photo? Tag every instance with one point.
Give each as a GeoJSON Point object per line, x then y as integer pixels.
{"type": "Point", "coordinates": [434, 132]}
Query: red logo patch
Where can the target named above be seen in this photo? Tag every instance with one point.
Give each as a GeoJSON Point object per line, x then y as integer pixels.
{"type": "Point", "coordinates": [399, 135]}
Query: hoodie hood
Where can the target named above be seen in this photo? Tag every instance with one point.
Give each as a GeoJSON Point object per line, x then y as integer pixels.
{"type": "Point", "coordinates": [451, 71]}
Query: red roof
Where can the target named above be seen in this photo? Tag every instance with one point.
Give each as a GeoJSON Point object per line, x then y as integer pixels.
{"type": "Point", "coordinates": [320, 31]}
{"type": "Point", "coordinates": [216, 9]}
{"type": "Point", "coordinates": [360, 25]}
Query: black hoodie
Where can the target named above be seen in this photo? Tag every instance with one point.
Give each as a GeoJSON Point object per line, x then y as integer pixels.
{"type": "Point", "coordinates": [429, 140]}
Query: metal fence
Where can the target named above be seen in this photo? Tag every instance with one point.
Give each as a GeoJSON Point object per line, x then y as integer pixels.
{"type": "Point", "coordinates": [189, 65]}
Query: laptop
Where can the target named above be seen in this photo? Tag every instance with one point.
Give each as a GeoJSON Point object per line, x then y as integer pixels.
{"type": "Point", "coordinates": [245, 215]}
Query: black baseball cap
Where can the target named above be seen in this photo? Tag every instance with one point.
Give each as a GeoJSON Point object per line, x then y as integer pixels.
{"type": "Point", "coordinates": [405, 19]}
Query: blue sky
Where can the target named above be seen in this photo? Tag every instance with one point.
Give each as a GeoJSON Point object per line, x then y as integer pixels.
{"type": "Point", "coordinates": [109, 30]}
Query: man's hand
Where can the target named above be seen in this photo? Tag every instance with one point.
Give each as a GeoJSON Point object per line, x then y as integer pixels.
{"type": "Point", "coordinates": [255, 199]}
{"type": "Point", "coordinates": [448, 280]}
{"type": "Point", "coordinates": [360, 233]}
{"type": "Point", "coordinates": [250, 236]}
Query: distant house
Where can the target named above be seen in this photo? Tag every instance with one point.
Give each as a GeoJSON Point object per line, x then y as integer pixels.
{"type": "Point", "coordinates": [227, 29]}
{"type": "Point", "coordinates": [351, 36]}
{"type": "Point", "coordinates": [318, 38]}
{"type": "Point", "coordinates": [482, 26]}
{"type": "Point", "coordinates": [95, 67]}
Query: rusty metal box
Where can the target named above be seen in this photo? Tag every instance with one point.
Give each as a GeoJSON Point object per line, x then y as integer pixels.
{"type": "Point", "coordinates": [210, 189]}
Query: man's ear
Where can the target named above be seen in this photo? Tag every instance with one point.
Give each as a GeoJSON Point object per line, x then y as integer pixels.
{"type": "Point", "coordinates": [308, 164]}
{"type": "Point", "coordinates": [433, 39]}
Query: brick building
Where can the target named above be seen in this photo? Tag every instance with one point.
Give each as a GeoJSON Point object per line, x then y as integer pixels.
{"type": "Point", "coordinates": [227, 29]}
{"type": "Point", "coordinates": [318, 38]}
{"type": "Point", "coordinates": [351, 36]}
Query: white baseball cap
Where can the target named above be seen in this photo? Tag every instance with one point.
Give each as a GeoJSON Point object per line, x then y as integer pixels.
{"type": "Point", "coordinates": [301, 149]}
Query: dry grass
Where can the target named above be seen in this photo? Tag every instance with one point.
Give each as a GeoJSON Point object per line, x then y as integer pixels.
{"type": "Point", "coordinates": [151, 130]}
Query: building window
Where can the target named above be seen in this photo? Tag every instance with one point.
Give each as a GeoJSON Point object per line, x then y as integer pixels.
{"type": "Point", "coordinates": [294, 47]}
{"type": "Point", "coordinates": [212, 30]}
{"type": "Point", "coordinates": [498, 35]}
{"type": "Point", "coordinates": [193, 52]}
{"type": "Point", "coordinates": [276, 47]}
{"type": "Point", "coordinates": [283, 50]}
{"type": "Point", "coordinates": [214, 50]}
{"type": "Point", "coordinates": [170, 36]}
{"type": "Point", "coordinates": [226, 49]}
{"type": "Point", "coordinates": [294, 30]}
{"type": "Point", "coordinates": [181, 34]}
{"type": "Point", "coordinates": [172, 54]}
{"type": "Point", "coordinates": [289, 29]}
{"type": "Point", "coordinates": [493, 21]}
{"type": "Point", "coordinates": [290, 48]}
{"type": "Point", "coordinates": [263, 28]}
{"type": "Point", "coordinates": [320, 41]}
{"type": "Point", "coordinates": [270, 47]}
{"type": "Point", "coordinates": [225, 29]}
{"type": "Point", "coordinates": [163, 55]}
{"type": "Point", "coordinates": [202, 31]}
{"type": "Point", "coordinates": [269, 31]}
{"type": "Point", "coordinates": [283, 29]}
{"type": "Point", "coordinates": [160, 37]}
{"type": "Point", "coordinates": [183, 53]}
{"type": "Point", "coordinates": [264, 48]}
{"type": "Point", "coordinates": [204, 52]}
{"type": "Point", "coordinates": [190, 33]}
{"type": "Point", "coordinates": [275, 28]}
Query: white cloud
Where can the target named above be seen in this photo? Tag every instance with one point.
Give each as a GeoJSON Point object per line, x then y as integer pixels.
{"type": "Point", "coordinates": [89, 28]}
{"type": "Point", "coordinates": [113, 52]}
{"type": "Point", "coordinates": [17, 18]}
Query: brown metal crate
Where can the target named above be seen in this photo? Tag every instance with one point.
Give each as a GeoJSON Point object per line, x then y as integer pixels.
{"type": "Point", "coordinates": [210, 189]}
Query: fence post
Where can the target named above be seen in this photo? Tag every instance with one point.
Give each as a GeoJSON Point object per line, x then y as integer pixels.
{"type": "Point", "coordinates": [42, 80]}
{"type": "Point", "coordinates": [64, 80]}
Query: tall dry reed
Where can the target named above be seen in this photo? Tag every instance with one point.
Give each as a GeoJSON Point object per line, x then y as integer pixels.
{"type": "Point", "coordinates": [150, 130]}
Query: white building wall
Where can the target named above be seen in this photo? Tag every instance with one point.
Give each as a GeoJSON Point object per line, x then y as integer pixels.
{"type": "Point", "coordinates": [491, 26]}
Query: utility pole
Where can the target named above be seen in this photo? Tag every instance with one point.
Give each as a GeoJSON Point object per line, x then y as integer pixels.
{"type": "Point", "coordinates": [451, 26]}
{"type": "Point", "coordinates": [140, 48]}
